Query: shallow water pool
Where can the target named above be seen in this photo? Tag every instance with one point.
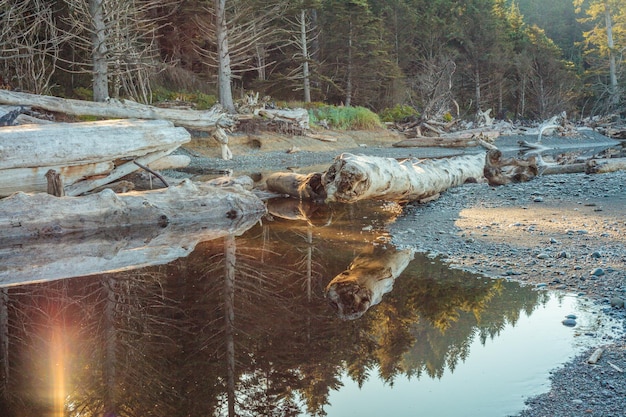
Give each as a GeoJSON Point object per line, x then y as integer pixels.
{"type": "Point", "coordinates": [242, 326]}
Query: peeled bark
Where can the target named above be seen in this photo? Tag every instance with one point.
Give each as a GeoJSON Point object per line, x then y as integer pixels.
{"type": "Point", "coordinates": [356, 177]}
{"type": "Point", "coordinates": [366, 280]}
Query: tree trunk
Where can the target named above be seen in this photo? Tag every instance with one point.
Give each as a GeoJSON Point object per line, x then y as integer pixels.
{"type": "Point", "coordinates": [99, 52]}
{"type": "Point", "coordinates": [356, 177]}
{"type": "Point", "coordinates": [349, 67]}
{"type": "Point", "coordinates": [204, 120]}
{"type": "Point", "coordinates": [305, 57]}
{"type": "Point", "coordinates": [614, 96]}
{"type": "Point", "coordinates": [105, 232]}
{"type": "Point", "coordinates": [223, 55]}
{"type": "Point", "coordinates": [33, 180]}
{"type": "Point", "coordinates": [42, 214]}
{"type": "Point", "coordinates": [69, 144]}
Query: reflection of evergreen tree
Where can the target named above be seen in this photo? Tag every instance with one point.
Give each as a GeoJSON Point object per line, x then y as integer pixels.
{"type": "Point", "coordinates": [161, 330]}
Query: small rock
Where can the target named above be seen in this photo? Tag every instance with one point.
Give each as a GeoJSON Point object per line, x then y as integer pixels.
{"type": "Point", "coordinates": [617, 302]}
{"type": "Point", "coordinates": [538, 199]}
{"type": "Point", "coordinates": [598, 272]}
{"type": "Point", "coordinates": [596, 255]}
{"type": "Point", "coordinates": [563, 255]}
{"type": "Point", "coordinates": [569, 322]}
{"type": "Point", "coordinates": [543, 255]}
{"type": "Point", "coordinates": [571, 316]}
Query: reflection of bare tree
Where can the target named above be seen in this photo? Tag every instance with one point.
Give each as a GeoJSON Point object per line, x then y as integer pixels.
{"type": "Point", "coordinates": [242, 327]}
{"type": "Point", "coordinates": [4, 340]}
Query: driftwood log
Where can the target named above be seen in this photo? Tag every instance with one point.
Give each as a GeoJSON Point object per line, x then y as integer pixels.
{"type": "Point", "coordinates": [65, 237]}
{"type": "Point", "coordinates": [501, 171]}
{"type": "Point", "coordinates": [302, 186]}
{"type": "Point", "coordinates": [205, 120]}
{"type": "Point", "coordinates": [356, 177]}
{"type": "Point", "coordinates": [77, 151]}
{"type": "Point", "coordinates": [365, 281]}
{"type": "Point", "coordinates": [41, 215]}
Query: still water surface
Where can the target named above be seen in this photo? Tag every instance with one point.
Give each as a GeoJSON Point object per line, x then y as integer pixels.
{"type": "Point", "coordinates": [242, 325]}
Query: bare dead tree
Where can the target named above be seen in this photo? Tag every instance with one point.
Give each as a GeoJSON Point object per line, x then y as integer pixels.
{"type": "Point", "coordinates": [248, 38]}
{"type": "Point", "coordinates": [116, 39]}
{"type": "Point", "coordinates": [30, 43]}
{"type": "Point", "coordinates": [433, 84]}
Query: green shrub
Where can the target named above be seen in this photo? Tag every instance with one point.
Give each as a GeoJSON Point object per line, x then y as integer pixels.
{"type": "Point", "coordinates": [204, 101]}
{"type": "Point", "coordinates": [83, 93]}
{"type": "Point", "coordinates": [398, 113]}
{"type": "Point", "coordinates": [345, 118]}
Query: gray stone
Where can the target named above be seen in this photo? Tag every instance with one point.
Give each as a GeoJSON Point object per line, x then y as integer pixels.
{"type": "Point", "coordinates": [569, 322]}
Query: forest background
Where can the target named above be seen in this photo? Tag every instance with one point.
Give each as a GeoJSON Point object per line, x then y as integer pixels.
{"type": "Point", "coordinates": [524, 59]}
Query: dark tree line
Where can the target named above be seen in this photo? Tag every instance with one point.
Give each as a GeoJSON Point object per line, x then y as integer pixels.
{"type": "Point", "coordinates": [439, 56]}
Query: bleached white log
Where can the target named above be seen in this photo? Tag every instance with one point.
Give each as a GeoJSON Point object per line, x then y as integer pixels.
{"type": "Point", "coordinates": [603, 166]}
{"type": "Point", "coordinates": [64, 144]}
{"type": "Point", "coordinates": [220, 136]}
{"type": "Point", "coordinates": [119, 172]}
{"type": "Point", "coordinates": [356, 177]}
{"type": "Point", "coordinates": [194, 119]}
{"type": "Point", "coordinates": [170, 162]}
{"type": "Point", "coordinates": [162, 225]}
{"type": "Point", "coordinates": [34, 180]}
{"type": "Point", "coordinates": [23, 215]}
{"type": "Point", "coordinates": [363, 284]}
{"type": "Point", "coordinates": [298, 116]}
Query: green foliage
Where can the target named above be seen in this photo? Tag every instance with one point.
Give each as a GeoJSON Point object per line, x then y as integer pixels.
{"type": "Point", "coordinates": [398, 113]}
{"type": "Point", "coordinates": [204, 101]}
{"type": "Point", "coordinates": [345, 118]}
{"type": "Point", "coordinates": [201, 101]}
{"type": "Point", "coordinates": [83, 93]}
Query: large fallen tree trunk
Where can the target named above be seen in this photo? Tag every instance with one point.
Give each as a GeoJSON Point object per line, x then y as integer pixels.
{"type": "Point", "coordinates": [356, 177]}
{"type": "Point", "coordinates": [366, 280]}
{"type": "Point", "coordinates": [80, 150]}
{"type": "Point", "coordinates": [28, 215]}
{"type": "Point", "coordinates": [205, 120]}
{"type": "Point", "coordinates": [34, 179]}
{"type": "Point", "coordinates": [303, 186]}
{"type": "Point", "coordinates": [105, 233]}
{"type": "Point", "coordinates": [87, 142]}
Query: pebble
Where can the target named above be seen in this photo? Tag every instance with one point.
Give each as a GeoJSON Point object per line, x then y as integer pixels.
{"type": "Point", "coordinates": [617, 302]}
{"type": "Point", "coordinates": [598, 272]}
{"type": "Point", "coordinates": [542, 255]}
{"type": "Point", "coordinates": [569, 322]}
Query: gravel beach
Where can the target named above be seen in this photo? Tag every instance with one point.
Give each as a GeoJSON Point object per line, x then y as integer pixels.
{"type": "Point", "coordinates": [563, 232]}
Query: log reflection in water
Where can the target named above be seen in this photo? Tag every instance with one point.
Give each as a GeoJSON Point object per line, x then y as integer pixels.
{"type": "Point", "coordinates": [368, 277]}
{"type": "Point", "coordinates": [242, 324]}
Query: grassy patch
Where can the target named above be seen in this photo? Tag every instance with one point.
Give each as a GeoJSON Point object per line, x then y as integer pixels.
{"type": "Point", "coordinates": [398, 113]}
{"type": "Point", "coordinates": [344, 118]}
